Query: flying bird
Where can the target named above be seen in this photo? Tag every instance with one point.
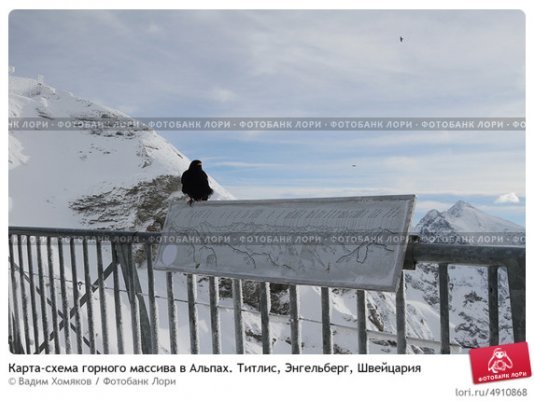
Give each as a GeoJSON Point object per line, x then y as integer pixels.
{"type": "Point", "coordinates": [401, 39]}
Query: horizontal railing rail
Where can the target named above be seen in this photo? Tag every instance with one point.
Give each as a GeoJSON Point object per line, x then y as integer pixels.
{"type": "Point", "coordinates": [117, 235]}
{"type": "Point", "coordinates": [63, 282]}
{"type": "Point", "coordinates": [510, 257]}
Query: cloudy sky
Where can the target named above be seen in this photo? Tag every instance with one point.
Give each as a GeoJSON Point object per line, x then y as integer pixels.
{"type": "Point", "coordinates": [307, 64]}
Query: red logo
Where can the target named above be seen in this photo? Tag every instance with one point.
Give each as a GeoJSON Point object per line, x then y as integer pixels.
{"type": "Point", "coordinates": [502, 362]}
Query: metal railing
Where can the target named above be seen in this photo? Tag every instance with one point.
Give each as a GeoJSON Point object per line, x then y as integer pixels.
{"type": "Point", "coordinates": [63, 300]}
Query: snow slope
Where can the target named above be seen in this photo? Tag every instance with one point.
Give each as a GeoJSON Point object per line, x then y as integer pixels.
{"type": "Point", "coordinates": [52, 169]}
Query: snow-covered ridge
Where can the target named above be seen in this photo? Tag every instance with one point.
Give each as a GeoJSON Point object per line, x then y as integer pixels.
{"type": "Point", "coordinates": [463, 217]}
{"type": "Point", "coordinates": [88, 170]}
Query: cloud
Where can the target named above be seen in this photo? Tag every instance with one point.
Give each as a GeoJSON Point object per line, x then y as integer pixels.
{"type": "Point", "coordinates": [279, 63]}
{"type": "Point", "coordinates": [223, 95]}
{"type": "Point", "coordinates": [508, 198]}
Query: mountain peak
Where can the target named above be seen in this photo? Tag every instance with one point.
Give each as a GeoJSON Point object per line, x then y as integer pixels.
{"type": "Point", "coordinates": [462, 204]}
{"type": "Point", "coordinates": [459, 207]}
{"type": "Point", "coordinates": [462, 217]}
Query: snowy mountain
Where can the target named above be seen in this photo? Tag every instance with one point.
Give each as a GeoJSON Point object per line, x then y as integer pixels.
{"type": "Point", "coordinates": [463, 218]}
{"type": "Point", "coordinates": [123, 179]}
{"type": "Point", "coordinates": [98, 178]}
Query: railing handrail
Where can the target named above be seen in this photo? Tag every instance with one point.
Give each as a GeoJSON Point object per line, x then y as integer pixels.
{"type": "Point", "coordinates": [462, 254]}
{"type": "Point", "coordinates": [81, 232]}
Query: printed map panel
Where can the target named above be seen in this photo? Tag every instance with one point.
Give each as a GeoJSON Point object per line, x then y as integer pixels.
{"type": "Point", "coordinates": [356, 242]}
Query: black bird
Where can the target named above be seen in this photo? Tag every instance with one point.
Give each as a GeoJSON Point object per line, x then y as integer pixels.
{"type": "Point", "coordinates": [195, 182]}
{"type": "Point", "coordinates": [401, 39]}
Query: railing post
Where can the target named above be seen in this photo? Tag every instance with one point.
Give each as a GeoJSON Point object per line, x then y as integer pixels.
{"type": "Point", "coordinates": [295, 319]}
{"type": "Point", "coordinates": [265, 308]}
{"type": "Point", "coordinates": [516, 284]}
{"type": "Point", "coordinates": [52, 283]}
{"type": "Point", "coordinates": [444, 307]}
{"type": "Point", "coordinates": [42, 296]}
{"type": "Point", "coordinates": [134, 301]}
{"type": "Point", "coordinates": [23, 296]}
{"type": "Point", "coordinates": [401, 316]}
{"type": "Point", "coordinates": [237, 295]}
{"type": "Point", "coordinates": [362, 324]}
{"type": "Point", "coordinates": [102, 296]}
{"type": "Point", "coordinates": [64, 297]}
{"type": "Point", "coordinates": [76, 297]}
{"type": "Point", "coordinates": [89, 295]}
{"type": "Point", "coordinates": [171, 309]}
{"type": "Point", "coordinates": [32, 294]}
{"type": "Point", "coordinates": [493, 304]}
{"type": "Point", "coordinates": [325, 313]}
{"type": "Point", "coordinates": [154, 322]}
{"type": "Point", "coordinates": [193, 315]}
{"type": "Point", "coordinates": [117, 298]}
{"type": "Point", "coordinates": [214, 314]}
{"type": "Point", "coordinates": [16, 322]}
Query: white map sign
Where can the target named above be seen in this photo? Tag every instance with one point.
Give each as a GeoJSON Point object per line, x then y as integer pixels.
{"type": "Point", "coordinates": [356, 242]}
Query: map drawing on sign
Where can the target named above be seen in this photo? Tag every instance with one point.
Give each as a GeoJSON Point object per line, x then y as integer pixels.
{"type": "Point", "coordinates": [353, 242]}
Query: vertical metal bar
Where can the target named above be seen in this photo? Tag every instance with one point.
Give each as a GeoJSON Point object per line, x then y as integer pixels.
{"type": "Point", "coordinates": [154, 324]}
{"type": "Point", "coordinates": [12, 339]}
{"type": "Point", "coordinates": [117, 298]}
{"type": "Point", "coordinates": [16, 323]}
{"type": "Point", "coordinates": [23, 296]}
{"type": "Point", "coordinates": [33, 303]}
{"type": "Point", "coordinates": [171, 307]}
{"type": "Point", "coordinates": [55, 326]}
{"type": "Point", "coordinates": [89, 295]}
{"type": "Point", "coordinates": [134, 307]}
{"type": "Point", "coordinates": [294, 314]}
{"type": "Point", "coordinates": [443, 276]}
{"type": "Point", "coordinates": [214, 314]}
{"type": "Point", "coordinates": [265, 308]}
{"type": "Point", "coordinates": [516, 284]}
{"type": "Point", "coordinates": [493, 304]}
{"type": "Point", "coordinates": [325, 313]}
{"type": "Point", "coordinates": [76, 297]}
{"type": "Point", "coordinates": [64, 298]}
{"type": "Point", "coordinates": [237, 295]}
{"type": "Point", "coordinates": [361, 310]}
{"type": "Point", "coordinates": [401, 316]}
{"type": "Point", "coordinates": [102, 296]}
{"type": "Point", "coordinates": [44, 314]}
{"type": "Point", "coordinates": [193, 319]}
